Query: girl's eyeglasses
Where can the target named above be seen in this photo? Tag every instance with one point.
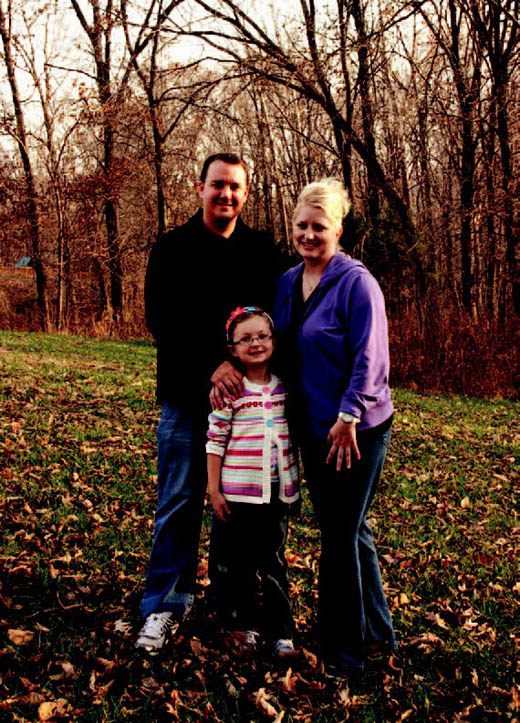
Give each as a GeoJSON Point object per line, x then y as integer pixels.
{"type": "Point", "coordinates": [248, 340]}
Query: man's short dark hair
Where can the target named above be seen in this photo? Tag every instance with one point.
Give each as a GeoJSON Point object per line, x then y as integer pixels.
{"type": "Point", "coordinates": [232, 158]}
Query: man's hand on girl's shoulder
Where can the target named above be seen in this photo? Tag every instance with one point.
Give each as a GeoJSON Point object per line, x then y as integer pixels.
{"type": "Point", "coordinates": [228, 383]}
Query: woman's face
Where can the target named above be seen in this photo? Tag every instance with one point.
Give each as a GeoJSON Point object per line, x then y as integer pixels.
{"type": "Point", "coordinates": [315, 235]}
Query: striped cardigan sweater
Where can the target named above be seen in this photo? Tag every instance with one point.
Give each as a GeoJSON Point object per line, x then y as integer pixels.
{"type": "Point", "coordinates": [242, 433]}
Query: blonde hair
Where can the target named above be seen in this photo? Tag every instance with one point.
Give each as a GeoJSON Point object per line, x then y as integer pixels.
{"type": "Point", "coordinates": [329, 194]}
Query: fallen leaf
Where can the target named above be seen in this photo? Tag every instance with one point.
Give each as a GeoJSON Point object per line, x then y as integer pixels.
{"type": "Point", "coordinates": [311, 658]}
{"type": "Point", "coordinates": [515, 699]}
{"type": "Point", "coordinates": [430, 637]}
{"type": "Point", "coordinates": [20, 637]}
{"type": "Point", "coordinates": [150, 685]}
{"type": "Point", "coordinates": [122, 626]}
{"type": "Point", "coordinates": [232, 691]}
{"type": "Point", "coordinates": [28, 684]}
{"type": "Point", "coordinates": [49, 710]}
{"type": "Point", "coordinates": [289, 681]}
{"type": "Point", "coordinates": [196, 646]}
{"type": "Point", "coordinates": [173, 706]}
{"type": "Point", "coordinates": [209, 713]}
{"type": "Point", "coordinates": [261, 699]}
{"type": "Point", "coordinates": [344, 696]}
{"type": "Point", "coordinates": [108, 665]}
{"type": "Point", "coordinates": [405, 715]}
{"type": "Point", "coordinates": [68, 669]}
{"type": "Point", "coordinates": [31, 698]}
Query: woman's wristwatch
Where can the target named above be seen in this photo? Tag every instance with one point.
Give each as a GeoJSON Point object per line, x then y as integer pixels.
{"type": "Point", "coordinates": [347, 418]}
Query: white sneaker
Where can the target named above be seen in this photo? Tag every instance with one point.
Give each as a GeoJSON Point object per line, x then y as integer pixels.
{"type": "Point", "coordinates": [153, 633]}
{"type": "Point", "coordinates": [250, 641]}
{"type": "Point", "coordinates": [283, 647]}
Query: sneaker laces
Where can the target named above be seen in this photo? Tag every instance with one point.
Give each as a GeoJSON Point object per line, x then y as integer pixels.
{"type": "Point", "coordinates": [156, 624]}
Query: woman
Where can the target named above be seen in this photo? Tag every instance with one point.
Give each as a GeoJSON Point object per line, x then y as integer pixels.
{"type": "Point", "coordinates": [331, 310]}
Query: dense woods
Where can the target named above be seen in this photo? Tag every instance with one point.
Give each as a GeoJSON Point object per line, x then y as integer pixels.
{"type": "Point", "coordinates": [109, 108]}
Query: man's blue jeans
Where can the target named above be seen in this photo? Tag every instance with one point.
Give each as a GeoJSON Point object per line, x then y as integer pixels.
{"type": "Point", "coordinates": [352, 608]}
{"type": "Point", "coordinates": [181, 482]}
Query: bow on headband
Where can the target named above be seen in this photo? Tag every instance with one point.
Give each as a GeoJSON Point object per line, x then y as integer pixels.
{"type": "Point", "coordinates": [237, 312]}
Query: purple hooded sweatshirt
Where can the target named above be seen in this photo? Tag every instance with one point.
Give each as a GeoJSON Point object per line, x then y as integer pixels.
{"type": "Point", "coordinates": [343, 344]}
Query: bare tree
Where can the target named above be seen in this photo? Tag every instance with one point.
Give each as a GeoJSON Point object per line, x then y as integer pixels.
{"type": "Point", "coordinates": [59, 122]}
{"type": "Point", "coordinates": [110, 91]}
{"type": "Point", "coordinates": [20, 135]}
{"type": "Point", "coordinates": [99, 33]}
{"type": "Point", "coordinates": [496, 25]}
{"type": "Point", "coordinates": [160, 89]}
{"type": "Point", "coordinates": [314, 67]}
{"type": "Point", "coordinates": [465, 59]}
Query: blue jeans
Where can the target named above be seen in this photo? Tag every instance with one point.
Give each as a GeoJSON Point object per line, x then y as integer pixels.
{"type": "Point", "coordinates": [181, 481]}
{"type": "Point", "coordinates": [352, 607]}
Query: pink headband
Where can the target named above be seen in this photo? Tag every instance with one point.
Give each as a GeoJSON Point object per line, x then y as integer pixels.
{"type": "Point", "coordinates": [244, 310]}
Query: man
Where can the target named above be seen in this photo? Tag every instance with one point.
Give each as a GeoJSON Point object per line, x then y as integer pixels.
{"type": "Point", "coordinates": [197, 274]}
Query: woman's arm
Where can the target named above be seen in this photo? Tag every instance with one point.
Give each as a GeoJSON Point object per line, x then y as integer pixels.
{"type": "Point", "coordinates": [368, 341]}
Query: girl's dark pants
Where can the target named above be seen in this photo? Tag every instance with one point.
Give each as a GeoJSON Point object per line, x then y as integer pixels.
{"type": "Point", "coordinates": [352, 610]}
{"type": "Point", "coordinates": [248, 558]}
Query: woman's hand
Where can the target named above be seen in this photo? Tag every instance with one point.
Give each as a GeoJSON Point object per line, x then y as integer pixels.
{"type": "Point", "coordinates": [343, 438]}
{"type": "Point", "coordinates": [228, 383]}
{"type": "Point", "coordinates": [219, 504]}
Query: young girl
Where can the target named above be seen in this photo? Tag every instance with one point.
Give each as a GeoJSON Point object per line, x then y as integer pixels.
{"type": "Point", "coordinates": [252, 479]}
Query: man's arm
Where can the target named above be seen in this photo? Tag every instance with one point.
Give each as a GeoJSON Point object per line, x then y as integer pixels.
{"type": "Point", "coordinates": [228, 383]}
{"type": "Point", "coordinates": [154, 288]}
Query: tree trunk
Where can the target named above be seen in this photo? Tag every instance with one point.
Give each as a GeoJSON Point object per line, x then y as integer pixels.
{"type": "Point", "coordinates": [367, 115]}
{"type": "Point", "coordinates": [511, 226]}
{"type": "Point", "coordinates": [99, 34]}
{"type": "Point", "coordinates": [32, 196]}
{"type": "Point", "coordinates": [276, 177]}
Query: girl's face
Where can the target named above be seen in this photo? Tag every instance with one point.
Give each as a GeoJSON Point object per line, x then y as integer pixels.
{"type": "Point", "coordinates": [253, 341]}
{"type": "Point", "coordinates": [315, 235]}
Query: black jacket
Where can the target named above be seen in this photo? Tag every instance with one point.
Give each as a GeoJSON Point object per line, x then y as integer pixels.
{"type": "Point", "coordinates": [194, 279]}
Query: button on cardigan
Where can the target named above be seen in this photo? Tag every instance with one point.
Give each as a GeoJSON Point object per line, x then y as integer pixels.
{"type": "Point", "coordinates": [243, 433]}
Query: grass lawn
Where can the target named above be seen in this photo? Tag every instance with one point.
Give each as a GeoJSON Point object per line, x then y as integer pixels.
{"type": "Point", "coordinates": [77, 470]}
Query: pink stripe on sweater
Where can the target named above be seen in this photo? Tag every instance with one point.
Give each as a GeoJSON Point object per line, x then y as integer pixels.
{"type": "Point", "coordinates": [242, 466]}
{"type": "Point", "coordinates": [245, 453]}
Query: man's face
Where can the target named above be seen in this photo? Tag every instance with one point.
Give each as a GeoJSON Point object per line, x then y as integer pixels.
{"type": "Point", "coordinates": [223, 195]}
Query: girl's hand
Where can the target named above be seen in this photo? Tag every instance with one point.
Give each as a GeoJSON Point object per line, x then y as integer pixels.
{"type": "Point", "coordinates": [219, 504]}
{"type": "Point", "coordinates": [343, 438]}
{"type": "Point", "coordinates": [228, 382]}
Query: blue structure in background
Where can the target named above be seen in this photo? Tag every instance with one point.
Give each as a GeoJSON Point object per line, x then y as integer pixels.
{"type": "Point", "coordinates": [23, 262]}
